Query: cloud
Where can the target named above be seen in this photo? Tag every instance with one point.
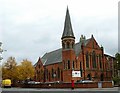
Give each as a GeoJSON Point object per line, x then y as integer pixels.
{"type": "Point", "coordinates": [31, 28]}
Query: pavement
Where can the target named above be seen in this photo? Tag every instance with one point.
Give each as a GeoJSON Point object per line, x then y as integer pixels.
{"type": "Point", "coordinates": [77, 90]}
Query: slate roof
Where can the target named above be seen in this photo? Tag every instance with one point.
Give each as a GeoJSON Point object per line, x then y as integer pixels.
{"type": "Point", "coordinates": [52, 57]}
{"type": "Point", "coordinates": [56, 55]}
{"type": "Point", "coordinates": [67, 32]}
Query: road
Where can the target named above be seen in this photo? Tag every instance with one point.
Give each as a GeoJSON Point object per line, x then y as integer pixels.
{"type": "Point", "coordinates": [38, 90]}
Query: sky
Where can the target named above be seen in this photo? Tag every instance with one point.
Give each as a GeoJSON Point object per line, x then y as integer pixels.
{"type": "Point", "coordinates": [31, 28]}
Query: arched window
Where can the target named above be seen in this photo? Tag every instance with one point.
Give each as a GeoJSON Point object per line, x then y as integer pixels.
{"type": "Point", "coordinates": [100, 61]}
{"type": "Point", "coordinates": [72, 44]}
{"type": "Point", "coordinates": [73, 66]}
{"type": "Point", "coordinates": [58, 72]}
{"type": "Point", "coordinates": [68, 45]}
{"type": "Point", "coordinates": [94, 59]}
{"type": "Point", "coordinates": [87, 60]}
{"type": "Point", "coordinates": [68, 64]}
{"type": "Point", "coordinates": [52, 73]}
{"type": "Point", "coordinates": [49, 76]}
{"type": "Point", "coordinates": [102, 77]}
{"type": "Point", "coordinates": [63, 45]}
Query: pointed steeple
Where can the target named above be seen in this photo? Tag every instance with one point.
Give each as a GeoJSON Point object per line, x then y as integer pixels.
{"type": "Point", "coordinates": [67, 32]}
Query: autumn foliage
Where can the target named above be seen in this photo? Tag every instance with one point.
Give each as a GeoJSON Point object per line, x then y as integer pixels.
{"type": "Point", "coordinates": [11, 70]}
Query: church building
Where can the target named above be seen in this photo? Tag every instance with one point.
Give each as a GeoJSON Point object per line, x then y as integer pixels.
{"type": "Point", "coordinates": [84, 60]}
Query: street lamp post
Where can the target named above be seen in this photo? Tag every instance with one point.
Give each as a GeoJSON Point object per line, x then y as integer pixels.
{"type": "Point", "coordinates": [1, 50]}
{"type": "Point", "coordinates": [1, 58]}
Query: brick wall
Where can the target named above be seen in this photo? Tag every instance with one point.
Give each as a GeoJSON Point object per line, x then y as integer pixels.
{"type": "Point", "coordinates": [69, 54]}
{"type": "Point", "coordinates": [67, 85]}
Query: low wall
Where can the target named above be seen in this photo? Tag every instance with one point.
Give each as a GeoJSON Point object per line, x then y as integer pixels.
{"type": "Point", "coordinates": [107, 84]}
{"type": "Point", "coordinates": [68, 85]}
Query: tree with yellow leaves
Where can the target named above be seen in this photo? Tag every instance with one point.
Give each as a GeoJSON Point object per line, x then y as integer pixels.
{"type": "Point", "coordinates": [25, 70]}
{"type": "Point", "coordinates": [9, 69]}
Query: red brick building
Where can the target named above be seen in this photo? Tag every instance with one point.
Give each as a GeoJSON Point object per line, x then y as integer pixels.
{"type": "Point", "coordinates": [74, 61]}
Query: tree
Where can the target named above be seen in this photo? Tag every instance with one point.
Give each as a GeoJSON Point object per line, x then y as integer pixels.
{"type": "Point", "coordinates": [9, 69]}
{"type": "Point", "coordinates": [116, 78]}
{"type": "Point", "coordinates": [117, 56]}
{"type": "Point", "coordinates": [11, 63]}
{"type": "Point", "coordinates": [25, 70]}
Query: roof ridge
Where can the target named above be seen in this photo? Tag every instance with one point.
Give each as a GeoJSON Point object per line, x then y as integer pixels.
{"type": "Point", "coordinates": [54, 50]}
{"type": "Point", "coordinates": [47, 53]}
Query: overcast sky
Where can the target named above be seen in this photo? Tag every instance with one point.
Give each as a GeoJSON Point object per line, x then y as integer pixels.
{"type": "Point", "coordinates": [30, 28]}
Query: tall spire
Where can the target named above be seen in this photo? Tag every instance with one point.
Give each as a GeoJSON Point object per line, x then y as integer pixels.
{"type": "Point", "coordinates": [68, 32]}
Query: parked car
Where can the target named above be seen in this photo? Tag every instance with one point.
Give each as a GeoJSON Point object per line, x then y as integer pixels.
{"type": "Point", "coordinates": [33, 82]}
{"type": "Point", "coordinates": [84, 81]}
{"type": "Point", "coordinates": [79, 81]}
{"type": "Point", "coordinates": [6, 83]}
